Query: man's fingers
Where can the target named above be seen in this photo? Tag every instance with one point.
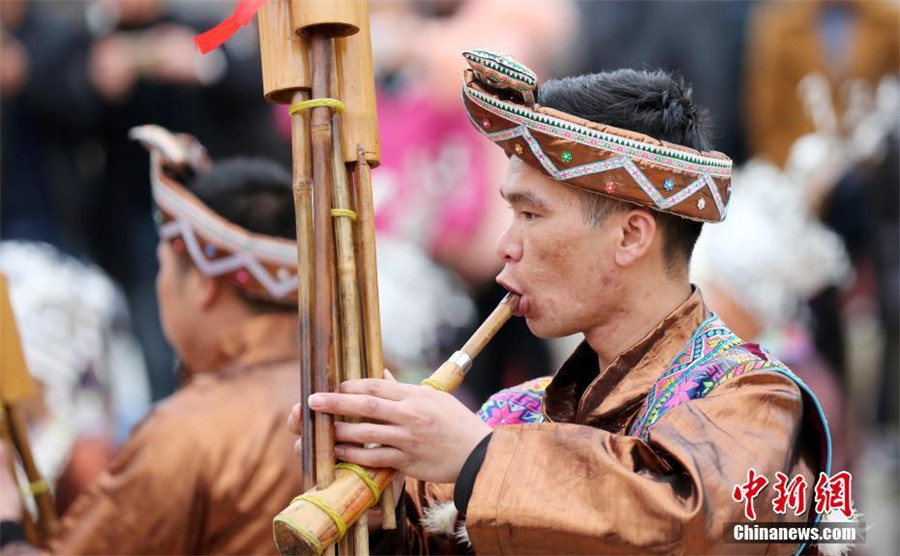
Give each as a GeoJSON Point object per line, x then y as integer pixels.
{"type": "Point", "coordinates": [388, 375]}
{"type": "Point", "coordinates": [298, 447]}
{"type": "Point", "coordinates": [367, 433]}
{"type": "Point", "coordinates": [381, 456]}
{"type": "Point", "coordinates": [354, 405]}
{"type": "Point", "coordinates": [294, 422]}
{"type": "Point", "coordinates": [380, 388]}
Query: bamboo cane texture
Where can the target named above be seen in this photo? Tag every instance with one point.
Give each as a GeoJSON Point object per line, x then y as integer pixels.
{"type": "Point", "coordinates": [302, 189]}
{"type": "Point", "coordinates": [284, 54]}
{"type": "Point", "coordinates": [32, 533]}
{"type": "Point", "coordinates": [351, 326]}
{"type": "Point", "coordinates": [322, 56]}
{"type": "Point", "coordinates": [336, 18]}
{"type": "Point", "coordinates": [359, 123]}
{"type": "Point", "coordinates": [371, 309]}
{"type": "Point", "coordinates": [303, 528]}
{"type": "Point", "coordinates": [18, 431]}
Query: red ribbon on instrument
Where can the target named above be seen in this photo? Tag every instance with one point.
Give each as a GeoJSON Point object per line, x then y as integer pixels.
{"type": "Point", "coordinates": [216, 37]}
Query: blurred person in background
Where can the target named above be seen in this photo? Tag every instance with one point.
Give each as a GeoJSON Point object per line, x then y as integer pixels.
{"type": "Point", "coordinates": [802, 63]}
{"type": "Point", "coordinates": [79, 347]}
{"type": "Point", "coordinates": [841, 40]}
{"type": "Point", "coordinates": [96, 69]}
{"type": "Point", "coordinates": [208, 468]}
{"type": "Point", "coordinates": [709, 56]}
{"type": "Point", "coordinates": [143, 67]}
{"type": "Point", "coordinates": [42, 133]}
{"type": "Point", "coordinates": [848, 176]}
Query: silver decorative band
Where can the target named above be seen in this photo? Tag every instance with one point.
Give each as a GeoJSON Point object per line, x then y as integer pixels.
{"type": "Point", "coordinates": [462, 360]}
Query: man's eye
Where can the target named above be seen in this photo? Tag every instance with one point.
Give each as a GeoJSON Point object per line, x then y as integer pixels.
{"type": "Point", "coordinates": [529, 216]}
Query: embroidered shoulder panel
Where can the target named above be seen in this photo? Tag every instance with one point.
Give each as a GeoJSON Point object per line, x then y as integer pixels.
{"type": "Point", "coordinates": [517, 405]}
{"type": "Point", "coordinates": [712, 356]}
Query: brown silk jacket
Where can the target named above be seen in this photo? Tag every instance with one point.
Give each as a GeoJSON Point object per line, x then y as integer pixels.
{"type": "Point", "coordinates": [210, 467]}
{"type": "Point", "coordinates": [577, 484]}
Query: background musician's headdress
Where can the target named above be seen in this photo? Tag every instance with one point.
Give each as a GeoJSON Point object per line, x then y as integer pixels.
{"type": "Point", "coordinates": [262, 266]}
{"type": "Point", "coordinates": [499, 95]}
{"type": "Point", "coordinates": [772, 255]}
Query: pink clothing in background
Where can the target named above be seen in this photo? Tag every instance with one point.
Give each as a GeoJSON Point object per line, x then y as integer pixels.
{"type": "Point", "coordinates": [432, 183]}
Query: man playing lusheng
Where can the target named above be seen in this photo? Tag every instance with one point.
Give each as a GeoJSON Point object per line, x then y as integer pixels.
{"type": "Point", "coordinates": [638, 441]}
{"type": "Point", "coordinates": [208, 468]}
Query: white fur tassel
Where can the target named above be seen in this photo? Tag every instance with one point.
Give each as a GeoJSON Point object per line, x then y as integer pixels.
{"type": "Point", "coordinates": [837, 549]}
{"type": "Point", "coordinates": [440, 519]}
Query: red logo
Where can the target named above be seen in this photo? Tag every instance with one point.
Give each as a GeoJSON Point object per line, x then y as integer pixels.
{"type": "Point", "coordinates": [791, 495]}
{"type": "Point", "coordinates": [748, 491]}
{"type": "Point", "coordinates": [831, 493]}
{"type": "Point", "coordinates": [834, 493]}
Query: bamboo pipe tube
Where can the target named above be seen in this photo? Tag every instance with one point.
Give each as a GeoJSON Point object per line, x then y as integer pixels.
{"type": "Point", "coordinates": [359, 123]}
{"type": "Point", "coordinates": [47, 519]}
{"type": "Point", "coordinates": [16, 385]}
{"type": "Point", "coordinates": [322, 56]}
{"type": "Point", "coordinates": [302, 187]}
{"type": "Point", "coordinates": [335, 18]}
{"type": "Point", "coordinates": [305, 529]}
{"type": "Point", "coordinates": [371, 309]}
{"type": "Point", "coordinates": [351, 309]}
{"type": "Point", "coordinates": [32, 532]}
{"type": "Point", "coordinates": [284, 54]}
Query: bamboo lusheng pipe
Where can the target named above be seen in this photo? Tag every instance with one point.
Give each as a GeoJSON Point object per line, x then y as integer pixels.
{"type": "Point", "coordinates": [305, 529]}
{"type": "Point", "coordinates": [302, 188]}
{"type": "Point", "coordinates": [322, 56]}
{"type": "Point", "coordinates": [47, 520]}
{"type": "Point", "coordinates": [371, 310]}
{"type": "Point", "coordinates": [359, 122]}
{"type": "Point", "coordinates": [16, 386]}
{"type": "Point", "coordinates": [351, 327]}
{"type": "Point", "coordinates": [32, 532]}
{"type": "Point", "coordinates": [284, 54]}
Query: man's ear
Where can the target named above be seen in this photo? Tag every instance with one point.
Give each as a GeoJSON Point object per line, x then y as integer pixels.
{"type": "Point", "coordinates": [203, 289]}
{"type": "Point", "coordinates": [638, 232]}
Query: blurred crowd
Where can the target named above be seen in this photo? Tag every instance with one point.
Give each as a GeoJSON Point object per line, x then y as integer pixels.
{"type": "Point", "coordinates": [804, 96]}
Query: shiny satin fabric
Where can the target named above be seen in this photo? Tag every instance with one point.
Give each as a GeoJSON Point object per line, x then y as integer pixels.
{"type": "Point", "coordinates": [210, 466]}
{"type": "Point", "coordinates": [576, 484]}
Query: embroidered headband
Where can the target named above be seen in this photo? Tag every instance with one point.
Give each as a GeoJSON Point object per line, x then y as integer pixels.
{"type": "Point", "coordinates": [499, 95]}
{"type": "Point", "coordinates": [264, 267]}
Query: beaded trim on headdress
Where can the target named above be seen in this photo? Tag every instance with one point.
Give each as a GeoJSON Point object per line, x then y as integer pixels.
{"type": "Point", "coordinates": [264, 267]}
{"type": "Point", "coordinates": [498, 94]}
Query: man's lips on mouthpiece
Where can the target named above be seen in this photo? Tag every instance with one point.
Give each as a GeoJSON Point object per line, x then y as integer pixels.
{"type": "Point", "coordinates": [520, 310]}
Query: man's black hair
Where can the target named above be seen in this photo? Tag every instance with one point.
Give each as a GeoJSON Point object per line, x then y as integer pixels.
{"type": "Point", "coordinates": [254, 194]}
{"type": "Point", "coordinates": [655, 103]}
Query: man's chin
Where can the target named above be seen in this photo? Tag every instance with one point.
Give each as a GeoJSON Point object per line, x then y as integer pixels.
{"type": "Point", "coordinates": [545, 331]}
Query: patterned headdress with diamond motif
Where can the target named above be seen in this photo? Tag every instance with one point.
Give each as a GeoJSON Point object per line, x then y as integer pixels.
{"type": "Point", "coordinates": [499, 95]}
{"type": "Point", "coordinates": [263, 267]}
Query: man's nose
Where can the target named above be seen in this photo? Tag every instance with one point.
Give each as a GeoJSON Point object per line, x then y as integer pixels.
{"type": "Point", "coordinates": [509, 247]}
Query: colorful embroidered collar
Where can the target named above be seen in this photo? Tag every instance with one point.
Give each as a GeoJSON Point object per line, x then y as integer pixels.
{"type": "Point", "coordinates": [264, 267]}
{"type": "Point", "coordinates": [499, 94]}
